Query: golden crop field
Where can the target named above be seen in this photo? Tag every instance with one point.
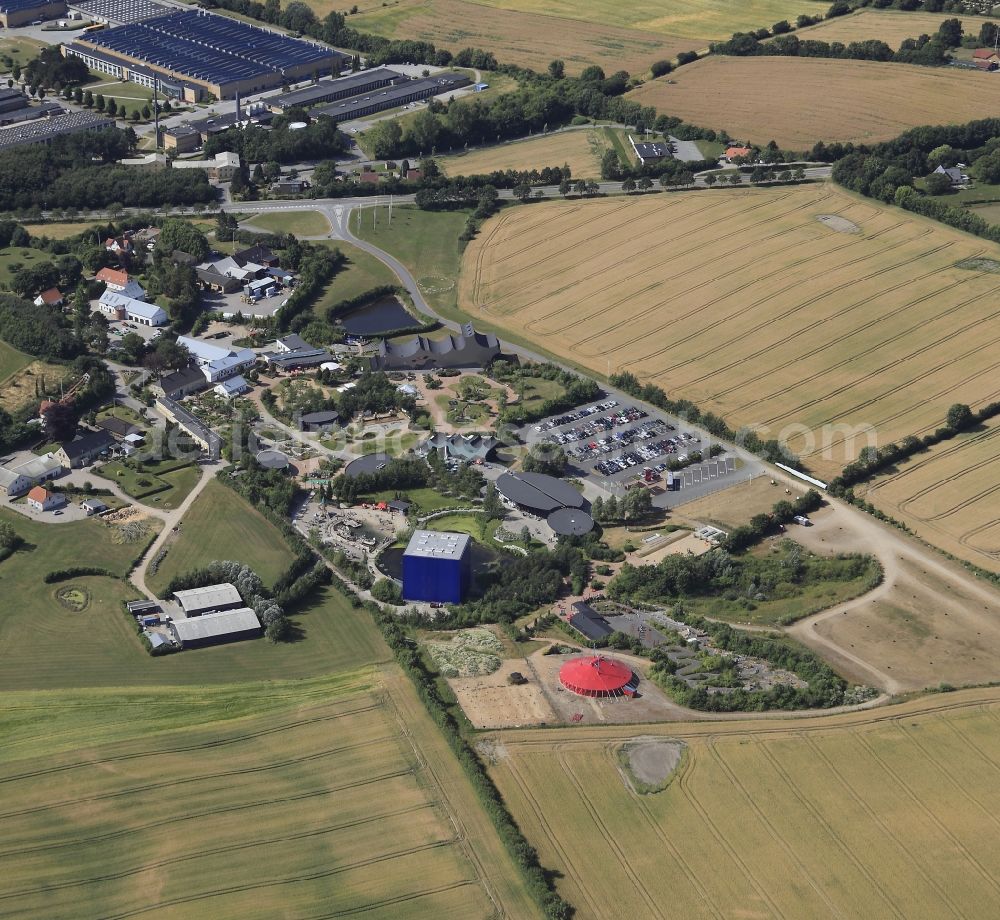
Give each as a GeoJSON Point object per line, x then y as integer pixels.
{"type": "Point", "coordinates": [887, 815]}
{"type": "Point", "coordinates": [695, 19]}
{"type": "Point", "coordinates": [749, 304]}
{"type": "Point", "coordinates": [580, 150]}
{"type": "Point", "coordinates": [949, 496]}
{"type": "Point", "coordinates": [528, 39]}
{"type": "Point", "coordinates": [321, 808]}
{"type": "Point", "coordinates": [798, 101]}
{"type": "Point", "coordinates": [889, 26]}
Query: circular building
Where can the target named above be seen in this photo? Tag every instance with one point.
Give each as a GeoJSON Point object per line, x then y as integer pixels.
{"type": "Point", "coordinates": [273, 460]}
{"type": "Point", "coordinates": [538, 493]}
{"type": "Point", "coordinates": [369, 463]}
{"type": "Point", "coordinates": [570, 522]}
{"type": "Point", "coordinates": [597, 676]}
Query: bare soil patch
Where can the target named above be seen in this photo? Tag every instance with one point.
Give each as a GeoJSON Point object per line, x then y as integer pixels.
{"type": "Point", "coordinates": [840, 224]}
{"type": "Point", "coordinates": [652, 761]}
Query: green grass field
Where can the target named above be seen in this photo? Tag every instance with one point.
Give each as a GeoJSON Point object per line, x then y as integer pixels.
{"type": "Point", "coordinates": [58, 230]}
{"type": "Point", "coordinates": [301, 223]}
{"type": "Point", "coordinates": [166, 488]}
{"type": "Point", "coordinates": [46, 646]}
{"type": "Point", "coordinates": [11, 361]}
{"type": "Point", "coordinates": [221, 525]}
{"type": "Point", "coordinates": [361, 273]}
{"type": "Point", "coordinates": [19, 255]}
{"type": "Point", "coordinates": [427, 243]}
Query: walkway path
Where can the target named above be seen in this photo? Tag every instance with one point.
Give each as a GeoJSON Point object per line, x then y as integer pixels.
{"type": "Point", "coordinates": [170, 520]}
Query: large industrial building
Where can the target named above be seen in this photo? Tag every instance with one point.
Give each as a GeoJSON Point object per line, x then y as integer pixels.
{"type": "Point", "coordinates": [200, 54]}
{"type": "Point", "coordinates": [437, 567]}
{"type": "Point", "coordinates": [216, 628]}
{"type": "Point", "coordinates": [391, 97]}
{"type": "Point", "coordinates": [14, 13]}
{"type": "Point", "coordinates": [354, 84]}
{"type": "Point", "coordinates": [44, 130]}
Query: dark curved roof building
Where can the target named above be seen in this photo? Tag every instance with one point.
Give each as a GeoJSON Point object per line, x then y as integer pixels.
{"type": "Point", "coordinates": [538, 493]}
{"type": "Point", "coordinates": [470, 349]}
{"type": "Point", "coordinates": [570, 522]}
{"type": "Point", "coordinates": [369, 463]}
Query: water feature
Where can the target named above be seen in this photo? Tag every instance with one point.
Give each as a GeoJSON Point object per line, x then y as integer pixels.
{"type": "Point", "coordinates": [380, 316]}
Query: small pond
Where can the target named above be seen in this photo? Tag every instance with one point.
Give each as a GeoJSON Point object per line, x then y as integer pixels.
{"type": "Point", "coordinates": [382, 315]}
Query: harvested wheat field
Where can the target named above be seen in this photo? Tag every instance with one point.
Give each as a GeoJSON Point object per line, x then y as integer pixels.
{"type": "Point", "coordinates": [320, 808]}
{"type": "Point", "coordinates": [889, 26]}
{"type": "Point", "coordinates": [887, 814]}
{"type": "Point", "coordinates": [528, 39]}
{"type": "Point", "coordinates": [798, 101]}
{"type": "Point", "coordinates": [950, 496]}
{"type": "Point", "coordinates": [580, 150]}
{"type": "Point", "coordinates": [827, 334]}
{"type": "Point", "coordinates": [694, 19]}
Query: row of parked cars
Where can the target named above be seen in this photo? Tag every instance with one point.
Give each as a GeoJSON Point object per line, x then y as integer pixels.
{"type": "Point", "coordinates": [597, 426]}
{"type": "Point", "coordinates": [569, 417]}
{"type": "Point", "coordinates": [645, 453]}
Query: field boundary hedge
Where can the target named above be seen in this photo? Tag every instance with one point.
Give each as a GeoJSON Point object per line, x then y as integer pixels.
{"type": "Point", "coordinates": [538, 879]}
{"type": "Point", "coordinates": [57, 575]}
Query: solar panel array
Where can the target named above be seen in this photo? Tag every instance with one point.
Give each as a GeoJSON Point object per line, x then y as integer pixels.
{"type": "Point", "coordinates": [121, 10]}
{"type": "Point", "coordinates": [15, 6]}
{"type": "Point", "coordinates": [210, 48]}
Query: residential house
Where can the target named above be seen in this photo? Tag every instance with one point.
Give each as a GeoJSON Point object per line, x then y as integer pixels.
{"type": "Point", "coordinates": [120, 246]}
{"type": "Point", "coordinates": [955, 175]}
{"type": "Point", "coordinates": [42, 499]}
{"type": "Point", "coordinates": [258, 253]}
{"type": "Point", "coordinates": [288, 186]}
{"type": "Point", "coordinates": [85, 448]}
{"type": "Point", "coordinates": [181, 383]}
{"type": "Point", "coordinates": [233, 387]}
{"type": "Point", "coordinates": [51, 298]}
{"type": "Point", "coordinates": [214, 280]}
{"type": "Point", "coordinates": [735, 153]}
{"type": "Point", "coordinates": [118, 428]}
{"type": "Point", "coordinates": [651, 152]}
{"type": "Point", "coordinates": [114, 278]}
{"type": "Point", "coordinates": [986, 59]}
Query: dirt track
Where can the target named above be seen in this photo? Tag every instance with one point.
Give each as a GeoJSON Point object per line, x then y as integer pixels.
{"type": "Point", "coordinates": [929, 621]}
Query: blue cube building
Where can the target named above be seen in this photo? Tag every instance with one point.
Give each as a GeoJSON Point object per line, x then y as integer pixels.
{"type": "Point", "coordinates": [437, 567]}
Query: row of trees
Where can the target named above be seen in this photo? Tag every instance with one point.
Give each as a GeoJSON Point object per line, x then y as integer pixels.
{"type": "Point", "coordinates": [80, 171]}
{"type": "Point", "coordinates": [925, 49]}
{"type": "Point", "coordinates": [874, 460]}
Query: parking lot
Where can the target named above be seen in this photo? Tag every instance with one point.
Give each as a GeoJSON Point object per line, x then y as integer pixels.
{"type": "Point", "coordinates": [613, 443]}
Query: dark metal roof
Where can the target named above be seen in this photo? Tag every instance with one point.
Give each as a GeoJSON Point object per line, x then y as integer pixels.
{"type": "Point", "coordinates": [369, 463]}
{"type": "Point", "coordinates": [86, 443]}
{"type": "Point", "coordinates": [325, 90]}
{"type": "Point", "coordinates": [538, 492]}
{"type": "Point", "coordinates": [320, 418]}
{"type": "Point", "coordinates": [570, 522]}
{"type": "Point", "coordinates": [588, 621]}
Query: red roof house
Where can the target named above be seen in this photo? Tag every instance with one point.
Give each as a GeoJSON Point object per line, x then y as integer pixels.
{"type": "Point", "coordinates": [41, 499]}
{"type": "Point", "coordinates": [113, 278]}
{"type": "Point", "coordinates": [51, 298]}
{"type": "Point", "coordinates": [734, 152]}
